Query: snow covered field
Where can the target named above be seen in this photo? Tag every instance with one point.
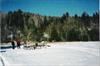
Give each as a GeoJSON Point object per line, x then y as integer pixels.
{"type": "Point", "coordinates": [59, 54]}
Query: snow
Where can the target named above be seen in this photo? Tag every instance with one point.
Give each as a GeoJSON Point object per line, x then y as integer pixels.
{"type": "Point", "coordinates": [58, 54]}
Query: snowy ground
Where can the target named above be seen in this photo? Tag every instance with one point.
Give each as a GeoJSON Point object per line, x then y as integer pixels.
{"type": "Point", "coordinates": [59, 54]}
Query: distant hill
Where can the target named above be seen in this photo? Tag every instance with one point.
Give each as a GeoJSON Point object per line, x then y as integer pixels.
{"type": "Point", "coordinates": [35, 27]}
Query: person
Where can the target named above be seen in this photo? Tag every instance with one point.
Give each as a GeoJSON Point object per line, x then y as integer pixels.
{"type": "Point", "coordinates": [13, 45]}
{"type": "Point", "coordinates": [18, 43]}
{"type": "Point", "coordinates": [36, 45]}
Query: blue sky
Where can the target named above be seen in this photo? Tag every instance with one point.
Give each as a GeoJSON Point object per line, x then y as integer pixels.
{"type": "Point", "coordinates": [51, 7]}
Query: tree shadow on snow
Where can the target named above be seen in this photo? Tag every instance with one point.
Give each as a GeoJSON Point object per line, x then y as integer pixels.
{"type": "Point", "coordinates": [5, 47]}
{"type": "Point", "coordinates": [2, 51]}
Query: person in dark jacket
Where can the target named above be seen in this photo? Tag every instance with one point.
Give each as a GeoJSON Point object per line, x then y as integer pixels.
{"type": "Point", "coordinates": [13, 44]}
{"type": "Point", "coordinates": [36, 45]}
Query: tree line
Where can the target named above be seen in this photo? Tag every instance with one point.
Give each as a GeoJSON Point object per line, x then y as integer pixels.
{"type": "Point", "coordinates": [34, 27]}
